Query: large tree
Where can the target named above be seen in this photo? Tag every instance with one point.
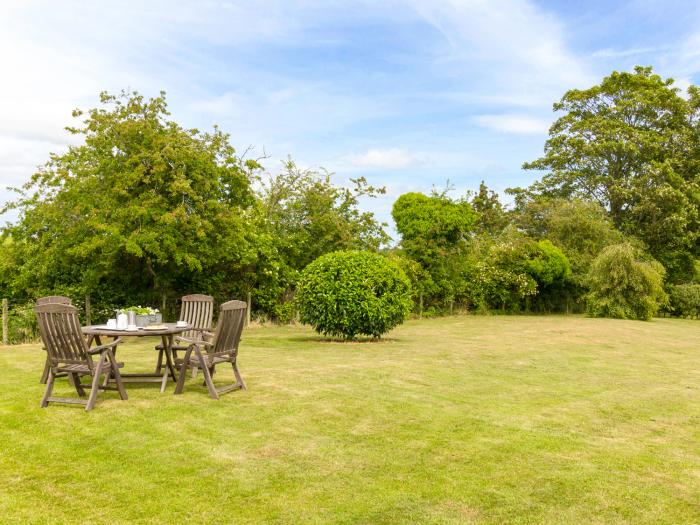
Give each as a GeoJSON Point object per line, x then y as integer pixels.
{"type": "Point", "coordinates": [630, 143]}
{"type": "Point", "coordinates": [434, 232]}
{"type": "Point", "coordinates": [579, 227]}
{"type": "Point", "coordinates": [140, 204]}
{"type": "Point", "coordinates": [491, 217]}
{"type": "Point", "coordinates": [301, 215]}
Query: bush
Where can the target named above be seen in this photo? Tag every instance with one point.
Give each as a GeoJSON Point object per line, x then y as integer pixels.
{"type": "Point", "coordinates": [624, 286]}
{"type": "Point", "coordinates": [22, 324]}
{"type": "Point", "coordinates": [685, 300]}
{"type": "Point", "coordinates": [547, 264]}
{"type": "Point", "coordinates": [345, 293]}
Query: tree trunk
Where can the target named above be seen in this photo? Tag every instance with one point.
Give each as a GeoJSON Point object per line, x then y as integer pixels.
{"type": "Point", "coordinates": [249, 300]}
{"type": "Point", "coordinates": [88, 316]}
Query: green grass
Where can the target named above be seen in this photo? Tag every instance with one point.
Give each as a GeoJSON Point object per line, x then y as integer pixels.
{"type": "Point", "coordinates": [457, 420]}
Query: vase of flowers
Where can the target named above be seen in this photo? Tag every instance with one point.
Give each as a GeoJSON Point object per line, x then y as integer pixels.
{"type": "Point", "coordinates": [145, 315]}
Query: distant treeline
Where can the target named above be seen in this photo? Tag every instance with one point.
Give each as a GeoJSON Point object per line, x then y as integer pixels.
{"type": "Point", "coordinates": [144, 211]}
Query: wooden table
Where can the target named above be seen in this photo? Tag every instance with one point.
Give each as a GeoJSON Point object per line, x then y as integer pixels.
{"type": "Point", "coordinates": [94, 332]}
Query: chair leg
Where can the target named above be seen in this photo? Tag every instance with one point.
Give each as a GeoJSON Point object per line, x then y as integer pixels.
{"type": "Point", "coordinates": [45, 373]}
{"type": "Point", "coordinates": [117, 378]}
{"type": "Point", "coordinates": [49, 389]}
{"type": "Point", "coordinates": [95, 384]}
{"type": "Point", "coordinates": [183, 368]}
{"type": "Point", "coordinates": [207, 377]}
{"type": "Point", "coordinates": [78, 387]}
{"type": "Point", "coordinates": [237, 373]}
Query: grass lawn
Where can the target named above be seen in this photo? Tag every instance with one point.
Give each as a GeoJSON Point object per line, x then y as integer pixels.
{"type": "Point", "coordinates": [456, 420]}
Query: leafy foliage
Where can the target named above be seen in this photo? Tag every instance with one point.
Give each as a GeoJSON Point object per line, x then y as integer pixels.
{"type": "Point", "coordinates": [431, 225]}
{"type": "Point", "coordinates": [490, 215]}
{"type": "Point", "coordinates": [301, 215]}
{"type": "Point", "coordinates": [22, 324]}
{"type": "Point", "coordinates": [630, 144]}
{"type": "Point", "coordinates": [434, 232]}
{"type": "Point", "coordinates": [141, 204]}
{"type": "Point", "coordinates": [345, 293]}
{"type": "Point", "coordinates": [624, 286]}
{"type": "Point", "coordinates": [547, 264]}
{"type": "Point", "coordinates": [510, 269]}
{"type": "Point", "coordinates": [144, 211]}
{"type": "Point", "coordinates": [684, 300]}
{"type": "Point", "coordinates": [579, 227]}
{"type": "Point", "coordinates": [419, 278]}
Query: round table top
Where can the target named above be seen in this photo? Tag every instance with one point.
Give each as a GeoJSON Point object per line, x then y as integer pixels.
{"type": "Point", "coordinates": [101, 329]}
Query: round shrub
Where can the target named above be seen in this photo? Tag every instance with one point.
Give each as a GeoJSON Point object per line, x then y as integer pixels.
{"type": "Point", "coordinates": [346, 293]}
{"type": "Point", "coordinates": [625, 286]}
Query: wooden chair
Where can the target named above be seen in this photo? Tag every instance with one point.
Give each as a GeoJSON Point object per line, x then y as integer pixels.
{"type": "Point", "coordinates": [198, 311]}
{"type": "Point", "coordinates": [223, 348]}
{"type": "Point", "coordinates": [51, 299]}
{"type": "Point", "coordinates": [69, 353]}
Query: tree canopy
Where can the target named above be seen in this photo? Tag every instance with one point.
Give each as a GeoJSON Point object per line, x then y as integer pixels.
{"type": "Point", "coordinates": [144, 209]}
{"type": "Point", "coordinates": [630, 144]}
{"type": "Point", "coordinates": [140, 194]}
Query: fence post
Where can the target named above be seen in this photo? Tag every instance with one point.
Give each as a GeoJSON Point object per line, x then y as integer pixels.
{"type": "Point", "coordinates": [88, 316]}
{"type": "Point", "coordinates": [5, 323]}
{"type": "Point", "coordinates": [420, 306]}
{"type": "Point", "coordinates": [247, 311]}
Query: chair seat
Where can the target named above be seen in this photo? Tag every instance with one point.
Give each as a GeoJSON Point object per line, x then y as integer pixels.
{"type": "Point", "coordinates": [194, 360]}
{"type": "Point", "coordinates": [79, 368]}
{"type": "Point", "coordinates": [181, 348]}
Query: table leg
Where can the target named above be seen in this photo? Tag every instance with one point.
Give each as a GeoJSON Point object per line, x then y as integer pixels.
{"type": "Point", "coordinates": [169, 368]}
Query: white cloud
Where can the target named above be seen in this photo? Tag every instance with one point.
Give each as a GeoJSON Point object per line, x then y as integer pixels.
{"type": "Point", "coordinates": [391, 159]}
{"type": "Point", "coordinates": [513, 123]}
{"type": "Point", "coordinates": [519, 51]}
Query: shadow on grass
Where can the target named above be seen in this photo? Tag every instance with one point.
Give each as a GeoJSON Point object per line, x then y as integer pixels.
{"type": "Point", "coordinates": [337, 340]}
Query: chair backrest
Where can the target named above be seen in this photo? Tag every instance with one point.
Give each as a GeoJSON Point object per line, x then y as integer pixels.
{"type": "Point", "coordinates": [197, 310]}
{"type": "Point", "coordinates": [229, 328]}
{"type": "Point", "coordinates": [53, 299]}
{"type": "Point", "coordinates": [59, 327]}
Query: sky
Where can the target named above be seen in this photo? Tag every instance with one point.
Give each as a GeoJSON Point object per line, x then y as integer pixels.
{"type": "Point", "coordinates": [409, 94]}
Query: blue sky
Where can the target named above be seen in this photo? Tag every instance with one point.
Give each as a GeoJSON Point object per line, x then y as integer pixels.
{"type": "Point", "coordinates": [408, 94]}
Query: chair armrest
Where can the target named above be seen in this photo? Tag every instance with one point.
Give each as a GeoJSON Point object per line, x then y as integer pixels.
{"type": "Point", "coordinates": [195, 341]}
{"type": "Point", "coordinates": [102, 348]}
{"type": "Point", "coordinates": [206, 334]}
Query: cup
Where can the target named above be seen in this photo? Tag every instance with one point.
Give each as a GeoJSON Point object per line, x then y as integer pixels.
{"type": "Point", "coordinates": [181, 324]}
{"type": "Point", "coordinates": [131, 328]}
{"type": "Point", "coordinates": [112, 324]}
